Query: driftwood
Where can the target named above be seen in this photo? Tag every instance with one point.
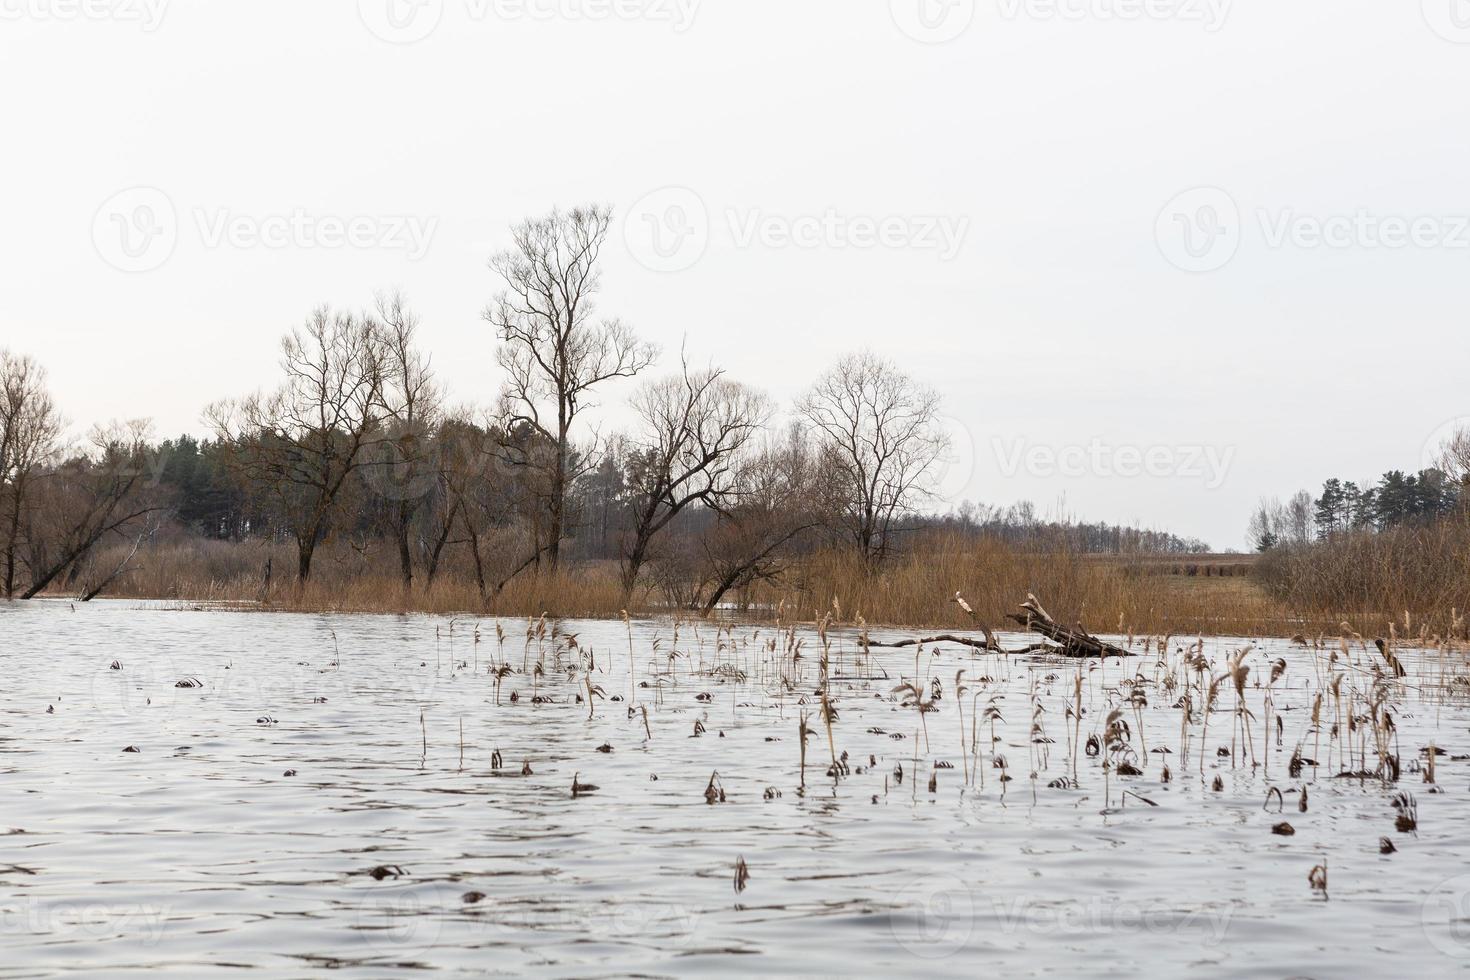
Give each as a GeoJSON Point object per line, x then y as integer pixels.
{"type": "Point", "coordinates": [1074, 640]}
{"type": "Point", "coordinates": [989, 644]}
{"type": "Point", "coordinates": [1066, 641]}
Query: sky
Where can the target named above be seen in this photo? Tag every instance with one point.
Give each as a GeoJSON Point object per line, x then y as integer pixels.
{"type": "Point", "coordinates": [1160, 257]}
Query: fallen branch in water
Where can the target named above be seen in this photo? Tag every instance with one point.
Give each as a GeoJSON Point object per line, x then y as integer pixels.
{"type": "Point", "coordinates": [1074, 640]}
{"type": "Point", "coordinates": [989, 644]}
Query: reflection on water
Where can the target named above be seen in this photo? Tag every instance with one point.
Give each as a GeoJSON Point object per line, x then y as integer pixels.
{"type": "Point", "coordinates": [311, 803]}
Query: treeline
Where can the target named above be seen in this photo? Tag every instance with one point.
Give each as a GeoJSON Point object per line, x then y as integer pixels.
{"type": "Point", "coordinates": [357, 452]}
{"type": "Point", "coordinates": [1397, 500]}
{"type": "Point", "coordinates": [1020, 524]}
{"type": "Point", "coordinates": [1398, 549]}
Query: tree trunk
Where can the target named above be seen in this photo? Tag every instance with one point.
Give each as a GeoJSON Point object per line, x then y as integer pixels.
{"type": "Point", "coordinates": [405, 553]}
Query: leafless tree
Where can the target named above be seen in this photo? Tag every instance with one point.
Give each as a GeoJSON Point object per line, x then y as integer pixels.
{"type": "Point", "coordinates": [1454, 455]}
{"type": "Point", "coordinates": [29, 429]}
{"type": "Point", "coordinates": [298, 446]}
{"type": "Point", "coordinates": [880, 441]}
{"type": "Point", "coordinates": [102, 491]}
{"type": "Point", "coordinates": [403, 469]}
{"type": "Point", "coordinates": [1298, 525]}
{"type": "Point", "coordinates": [554, 352]}
{"type": "Point", "coordinates": [694, 426]}
{"type": "Point", "coordinates": [774, 507]}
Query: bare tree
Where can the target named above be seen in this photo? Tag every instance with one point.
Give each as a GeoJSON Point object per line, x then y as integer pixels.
{"type": "Point", "coordinates": [29, 429]}
{"type": "Point", "coordinates": [298, 447]}
{"type": "Point", "coordinates": [694, 426]}
{"type": "Point", "coordinates": [774, 507]}
{"type": "Point", "coordinates": [1454, 455]}
{"type": "Point", "coordinates": [1269, 524]}
{"type": "Point", "coordinates": [96, 493]}
{"type": "Point", "coordinates": [553, 351]}
{"type": "Point", "coordinates": [879, 435]}
{"type": "Point", "coordinates": [1298, 518]}
{"type": "Point", "coordinates": [403, 469]}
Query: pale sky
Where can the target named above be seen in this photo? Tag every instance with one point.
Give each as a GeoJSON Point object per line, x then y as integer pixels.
{"type": "Point", "coordinates": [1161, 257]}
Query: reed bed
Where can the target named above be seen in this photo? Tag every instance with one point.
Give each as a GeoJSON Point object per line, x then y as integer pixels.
{"type": "Point", "coordinates": [1122, 593]}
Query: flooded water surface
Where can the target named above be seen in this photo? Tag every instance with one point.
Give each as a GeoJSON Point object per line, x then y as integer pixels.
{"type": "Point", "coordinates": [200, 792]}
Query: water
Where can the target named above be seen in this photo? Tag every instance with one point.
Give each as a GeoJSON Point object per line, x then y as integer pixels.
{"type": "Point", "coordinates": [198, 855]}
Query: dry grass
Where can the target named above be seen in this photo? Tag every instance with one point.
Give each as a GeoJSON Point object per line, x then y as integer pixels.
{"type": "Point", "coordinates": [1416, 576]}
{"type": "Point", "coordinates": [1106, 595]}
{"type": "Point", "coordinates": [1120, 594]}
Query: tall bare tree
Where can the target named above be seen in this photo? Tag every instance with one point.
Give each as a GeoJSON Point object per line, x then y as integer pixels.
{"type": "Point", "coordinates": [403, 469]}
{"type": "Point", "coordinates": [554, 351]}
{"type": "Point", "coordinates": [29, 429]}
{"type": "Point", "coordinates": [694, 426]}
{"type": "Point", "coordinates": [880, 442]}
{"type": "Point", "coordinates": [298, 446]}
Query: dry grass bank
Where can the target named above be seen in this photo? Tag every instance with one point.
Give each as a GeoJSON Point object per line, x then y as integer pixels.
{"type": "Point", "coordinates": [1106, 593]}
{"type": "Point", "coordinates": [1417, 576]}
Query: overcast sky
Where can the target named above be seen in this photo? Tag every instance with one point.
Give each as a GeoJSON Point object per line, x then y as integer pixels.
{"type": "Point", "coordinates": [1161, 257]}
